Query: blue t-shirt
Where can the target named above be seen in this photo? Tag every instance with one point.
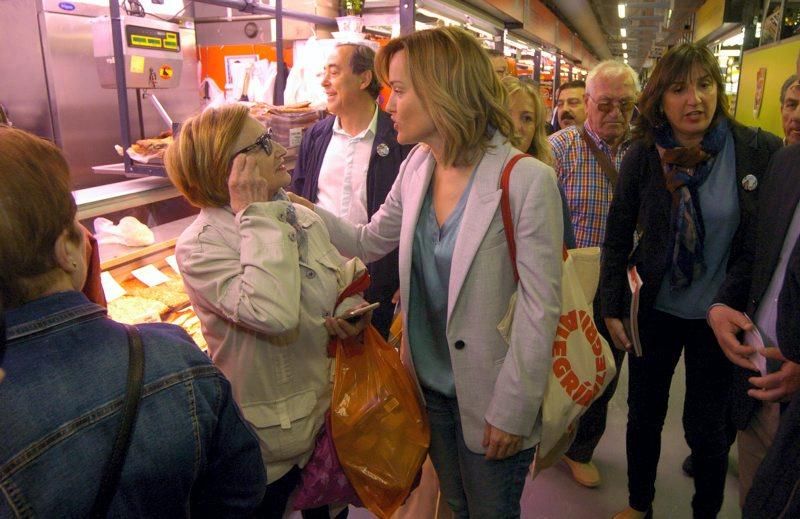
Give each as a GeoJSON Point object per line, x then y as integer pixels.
{"type": "Point", "coordinates": [431, 257]}
{"type": "Point", "coordinates": [719, 204]}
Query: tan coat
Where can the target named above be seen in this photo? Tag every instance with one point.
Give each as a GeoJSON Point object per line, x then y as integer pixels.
{"type": "Point", "coordinates": [262, 310]}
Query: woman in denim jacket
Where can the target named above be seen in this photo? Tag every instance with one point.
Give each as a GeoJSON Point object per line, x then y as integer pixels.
{"type": "Point", "coordinates": [66, 373]}
{"type": "Point", "coordinates": [264, 279]}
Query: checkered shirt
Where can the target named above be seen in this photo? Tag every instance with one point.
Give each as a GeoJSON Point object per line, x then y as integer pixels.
{"type": "Point", "coordinates": [586, 187]}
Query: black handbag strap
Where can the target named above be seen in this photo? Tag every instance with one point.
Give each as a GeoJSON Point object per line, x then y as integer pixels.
{"type": "Point", "coordinates": [133, 394]}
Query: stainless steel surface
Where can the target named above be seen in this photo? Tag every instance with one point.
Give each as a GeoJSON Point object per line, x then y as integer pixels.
{"type": "Point", "coordinates": [113, 255]}
{"type": "Point", "coordinates": [100, 200]}
{"type": "Point", "coordinates": [144, 67]}
{"type": "Point", "coordinates": [243, 6]}
{"type": "Point", "coordinates": [50, 87]}
{"type": "Point", "coordinates": [23, 86]}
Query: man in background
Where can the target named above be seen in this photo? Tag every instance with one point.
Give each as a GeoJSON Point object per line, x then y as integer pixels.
{"type": "Point", "coordinates": [570, 109]}
{"type": "Point", "coordinates": [348, 161]}
{"type": "Point", "coordinates": [587, 160]}
{"type": "Point", "coordinates": [790, 110]}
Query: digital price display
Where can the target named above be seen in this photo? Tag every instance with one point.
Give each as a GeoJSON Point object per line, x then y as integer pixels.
{"type": "Point", "coordinates": [149, 38]}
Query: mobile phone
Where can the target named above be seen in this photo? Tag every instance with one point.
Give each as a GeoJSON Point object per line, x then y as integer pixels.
{"type": "Point", "coordinates": [352, 316]}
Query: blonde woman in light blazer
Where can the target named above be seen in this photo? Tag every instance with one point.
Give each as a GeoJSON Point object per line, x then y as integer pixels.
{"type": "Point", "coordinates": [483, 397]}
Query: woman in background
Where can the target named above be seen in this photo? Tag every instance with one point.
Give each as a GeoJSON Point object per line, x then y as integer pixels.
{"type": "Point", "coordinates": [689, 183]}
{"type": "Point", "coordinates": [530, 134]}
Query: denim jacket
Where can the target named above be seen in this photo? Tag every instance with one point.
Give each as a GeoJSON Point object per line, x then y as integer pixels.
{"type": "Point", "coordinates": [66, 372]}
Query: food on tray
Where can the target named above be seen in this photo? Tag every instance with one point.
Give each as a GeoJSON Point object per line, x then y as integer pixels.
{"type": "Point", "coordinates": [261, 110]}
{"type": "Point", "coordinates": [189, 321]}
{"type": "Point", "coordinates": [170, 293]}
{"type": "Point", "coordinates": [149, 149]}
{"type": "Point", "coordinates": [132, 309]}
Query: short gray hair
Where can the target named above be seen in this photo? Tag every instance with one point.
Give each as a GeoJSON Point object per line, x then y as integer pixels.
{"type": "Point", "coordinates": [362, 60]}
{"type": "Point", "coordinates": [611, 67]}
{"type": "Point", "coordinates": [786, 85]}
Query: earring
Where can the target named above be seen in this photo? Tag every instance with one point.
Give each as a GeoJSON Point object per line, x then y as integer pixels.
{"type": "Point", "coordinates": [74, 264]}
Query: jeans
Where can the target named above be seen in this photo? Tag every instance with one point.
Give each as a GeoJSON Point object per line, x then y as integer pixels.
{"type": "Point", "coordinates": [705, 408]}
{"type": "Point", "coordinates": [473, 486]}
{"type": "Point", "coordinates": [592, 424]}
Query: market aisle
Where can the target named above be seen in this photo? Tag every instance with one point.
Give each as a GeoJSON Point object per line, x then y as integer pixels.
{"type": "Point", "coordinates": [555, 496]}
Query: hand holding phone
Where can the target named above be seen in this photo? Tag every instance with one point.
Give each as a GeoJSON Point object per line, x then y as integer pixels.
{"type": "Point", "coordinates": [352, 316]}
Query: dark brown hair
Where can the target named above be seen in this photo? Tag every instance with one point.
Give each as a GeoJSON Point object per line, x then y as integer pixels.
{"type": "Point", "coordinates": [36, 206]}
{"type": "Point", "coordinates": [675, 66]}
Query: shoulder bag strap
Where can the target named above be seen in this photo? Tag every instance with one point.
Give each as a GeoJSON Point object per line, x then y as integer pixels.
{"type": "Point", "coordinates": [505, 209]}
{"type": "Point", "coordinates": [508, 222]}
{"type": "Point", "coordinates": [133, 394]}
{"type": "Point", "coordinates": [608, 168]}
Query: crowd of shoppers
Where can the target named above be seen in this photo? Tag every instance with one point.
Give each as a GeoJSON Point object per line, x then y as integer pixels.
{"type": "Point", "coordinates": [705, 209]}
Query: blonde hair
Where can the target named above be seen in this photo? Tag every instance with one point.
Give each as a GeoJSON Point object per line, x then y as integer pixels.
{"type": "Point", "coordinates": [540, 147]}
{"type": "Point", "coordinates": [36, 206]}
{"type": "Point", "coordinates": [199, 160]}
{"type": "Point", "coordinates": [453, 77]}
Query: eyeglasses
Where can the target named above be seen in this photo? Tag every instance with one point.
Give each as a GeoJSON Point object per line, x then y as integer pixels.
{"type": "Point", "coordinates": [264, 142]}
{"type": "Point", "coordinates": [607, 105]}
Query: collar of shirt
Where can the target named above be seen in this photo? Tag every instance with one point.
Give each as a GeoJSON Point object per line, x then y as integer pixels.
{"type": "Point", "coordinates": [369, 130]}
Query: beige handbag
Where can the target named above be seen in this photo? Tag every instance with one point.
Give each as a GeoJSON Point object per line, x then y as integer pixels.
{"type": "Point", "coordinates": [583, 365]}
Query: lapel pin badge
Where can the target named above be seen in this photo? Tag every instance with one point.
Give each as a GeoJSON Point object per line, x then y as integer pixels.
{"type": "Point", "coordinates": [382, 149]}
{"type": "Point", "coordinates": [750, 183]}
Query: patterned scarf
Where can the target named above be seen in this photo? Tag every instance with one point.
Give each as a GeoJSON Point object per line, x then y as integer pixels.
{"type": "Point", "coordinates": [685, 170]}
{"type": "Point", "coordinates": [291, 218]}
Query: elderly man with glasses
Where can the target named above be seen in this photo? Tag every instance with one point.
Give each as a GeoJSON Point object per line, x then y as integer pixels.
{"type": "Point", "coordinates": [587, 159]}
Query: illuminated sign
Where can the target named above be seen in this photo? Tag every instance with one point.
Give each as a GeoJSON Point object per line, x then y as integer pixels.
{"type": "Point", "coordinates": [154, 39]}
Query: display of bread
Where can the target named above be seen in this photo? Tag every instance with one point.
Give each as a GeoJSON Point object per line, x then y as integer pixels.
{"type": "Point", "coordinates": [166, 302]}
{"type": "Point", "coordinates": [260, 111]}
{"type": "Point", "coordinates": [189, 321]}
{"type": "Point", "coordinates": [133, 310]}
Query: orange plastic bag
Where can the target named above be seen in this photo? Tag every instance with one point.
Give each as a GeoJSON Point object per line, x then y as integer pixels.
{"type": "Point", "coordinates": [378, 426]}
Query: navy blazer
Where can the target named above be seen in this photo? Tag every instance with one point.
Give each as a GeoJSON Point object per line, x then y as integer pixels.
{"type": "Point", "coordinates": [381, 173]}
{"type": "Point", "coordinates": [642, 200]}
{"type": "Point", "coordinates": [749, 277]}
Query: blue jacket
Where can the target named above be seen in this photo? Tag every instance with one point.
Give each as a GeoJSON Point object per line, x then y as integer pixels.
{"type": "Point", "coordinates": [66, 373]}
{"type": "Point", "coordinates": [380, 176]}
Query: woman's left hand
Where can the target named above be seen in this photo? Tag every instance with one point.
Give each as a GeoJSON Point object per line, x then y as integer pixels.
{"type": "Point", "coordinates": [500, 444]}
{"type": "Point", "coordinates": [342, 329]}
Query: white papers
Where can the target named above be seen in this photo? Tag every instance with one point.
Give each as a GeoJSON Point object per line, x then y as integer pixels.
{"type": "Point", "coordinates": [172, 262]}
{"type": "Point", "coordinates": [635, 283]}
{"type": "Point", "coordinates": [111, 288]}
{"type": "Point", "coordinates": [150, 275]}
{"type": "Point", "coordinates": [755, 339]}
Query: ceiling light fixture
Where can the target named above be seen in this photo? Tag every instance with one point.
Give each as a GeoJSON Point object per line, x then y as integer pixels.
{"type": "Point", "coordinates": [624, 46]}
{"type": "Point", "coordinates": [623, 32]}
{"type": "Point", "coordinates": [621, 10]}
{"type": "Point", "coordinates": [625, 55]}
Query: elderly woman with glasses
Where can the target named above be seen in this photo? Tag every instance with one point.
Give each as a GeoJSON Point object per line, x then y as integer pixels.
{"type": "Point", "coordinates": [263, 278]}
{"type": "Point", "coordinates": [689, 185]}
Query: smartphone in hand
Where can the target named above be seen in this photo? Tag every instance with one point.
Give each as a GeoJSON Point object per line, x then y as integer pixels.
{"type": "Point", "coordinates": [352, 316]}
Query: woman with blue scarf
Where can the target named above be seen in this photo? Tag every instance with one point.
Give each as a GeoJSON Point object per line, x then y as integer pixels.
{"type": "Point", "coordinates": [686, 197]}
{"type": "Point", "coordinates": [263, 278]}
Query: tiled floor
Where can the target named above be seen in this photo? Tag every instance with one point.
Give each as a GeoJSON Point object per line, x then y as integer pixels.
{"type": "Point", "coordinates": [553, 495]}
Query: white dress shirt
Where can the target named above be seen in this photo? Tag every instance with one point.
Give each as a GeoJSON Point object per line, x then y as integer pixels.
{"type": "Point", "coordinates": [342, 184]}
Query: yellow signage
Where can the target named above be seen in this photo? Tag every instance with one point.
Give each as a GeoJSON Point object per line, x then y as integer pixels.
{"type": "Point", "coordinates": [137, 64]}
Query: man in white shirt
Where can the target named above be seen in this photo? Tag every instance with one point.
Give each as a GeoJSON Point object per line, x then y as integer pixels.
{"type": "Point", "coordinates": [347, 162]}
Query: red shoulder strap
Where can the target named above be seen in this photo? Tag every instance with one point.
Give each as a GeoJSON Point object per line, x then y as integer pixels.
{"type": "Point", "coordinates": [357, 286]}
{"type": "Point", "coordinates": [505, 208]}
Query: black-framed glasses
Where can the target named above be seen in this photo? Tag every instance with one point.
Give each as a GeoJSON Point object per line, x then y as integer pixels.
{"type": "Point", "coordinates": [607, 105]}
{"type": "Point", "coordinates": [264, 141]}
